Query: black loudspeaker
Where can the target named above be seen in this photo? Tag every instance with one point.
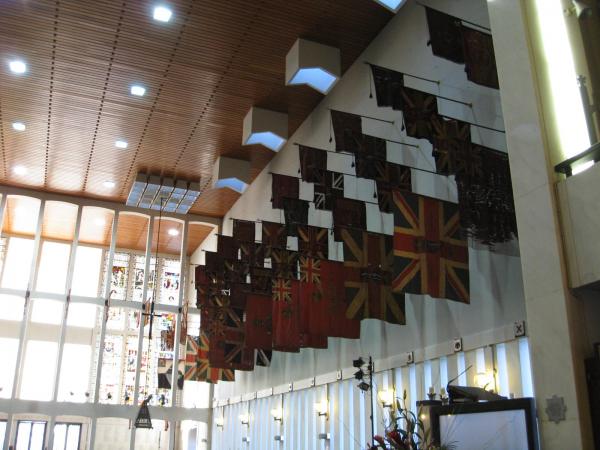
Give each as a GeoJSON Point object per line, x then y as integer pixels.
{"type": "Point", "coordinates": [592, 370]}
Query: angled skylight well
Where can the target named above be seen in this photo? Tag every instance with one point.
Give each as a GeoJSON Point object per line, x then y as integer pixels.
{"type": "Point", "coordinates": [230, 173]}
{"type": "Point", "coordinates": [392, 5]}
{"type": "Point", "coordinates": [313, 64]}
{"type": "Point", "coordinates": [265, 127]}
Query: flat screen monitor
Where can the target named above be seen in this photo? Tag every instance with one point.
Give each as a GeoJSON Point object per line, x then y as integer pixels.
{"type": "Point", "coordinates": [496, 425]}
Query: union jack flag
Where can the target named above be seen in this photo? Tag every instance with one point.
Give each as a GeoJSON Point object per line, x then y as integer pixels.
{"type": "Point", "coordinates": [430, 254]}
{"type": "Point", "coordinates": [313, 241]}
{"type": "Point", "coordinates": [368, 263]}
{"type": "Point", "coordinates": [197, 367]}
{"type": "Point", "coordinates": [451, 140]}
{"type": "Point", "coordinates": [313, 304]}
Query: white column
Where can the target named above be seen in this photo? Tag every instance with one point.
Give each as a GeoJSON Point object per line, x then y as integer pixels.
{"type": "Point", "coordinates": [557, 363]}
{"type": "Point", "coordinates": [111, 256]}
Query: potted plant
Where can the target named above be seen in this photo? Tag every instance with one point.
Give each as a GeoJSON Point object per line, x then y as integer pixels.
{"type": "Point", "coordinates": [406, 432]}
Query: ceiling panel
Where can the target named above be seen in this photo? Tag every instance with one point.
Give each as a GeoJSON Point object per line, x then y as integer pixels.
{"type": "Point", "coordinates": [203, 71]}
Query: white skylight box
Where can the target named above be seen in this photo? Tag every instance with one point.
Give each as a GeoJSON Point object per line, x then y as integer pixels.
{"type": "Point", "coordinates": [264, 127]}
{"type": "Point", "coordinates": [316, 65]}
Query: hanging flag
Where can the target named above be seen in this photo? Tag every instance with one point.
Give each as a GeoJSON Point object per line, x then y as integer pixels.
{"type": "Point", "coordinates": [252, 254]}
{"type": "Point", "coordinates": [284, 186]}
{"type": "Point", "coordinates": [451, 139]}
{"type": "Point", "coordinates": [445, 36]}
{"type": "Point", "coordinates": [197, 367]}
{"type": "Point", "coordinates": [332, 187]}
{"type": "Point", "coordinates": [347, 129]}
{"type": "Point", "coordinates": [226, 330]}
{"type": "Point", "coordinates": [348, 213]}
{"type": "Point", "coordinates": [244, 230]}
{"type": "Point", "coordinates": [333, 301]}
{"type": "Point", "coordinates": [259, 321]}
{"type": "Point", "coordinates": [227, 247]}
{"type": "Point", "coordinates": [184, 323]}
{"type": "Point", "coordinates": [313, 241]}
{"type": "Point", "coordinates": [389, 177]}
{"type": "Point", "coordinates": [388, 87]}
{"type": "Point", "coordinates": [485, 196]}
{"type": "Point", "coordinates": [263, 358]}
{"type": "Point", "coordinates": [368, 264]}
{"type": "Point", "coordinates": [314, 322]}
{"type": "Point", "coordinates": [480, 59]}
{"type": "Point", "coordinates": [261, 280]}
{"type": "Point", "coordinates": [418, 110]}
{"type": "Point", "coordinates": [430, 255]}
{"type": "Point", "coordinates": [284, 263]}
{"type": "Point", "coordinates": [273, 236]}
{"type": "Point", "coordinates": [286, 315]}
{"type": "Point", "coordinates": [295, 212]}
{"type": "Point", "coordinates": [313, 162]}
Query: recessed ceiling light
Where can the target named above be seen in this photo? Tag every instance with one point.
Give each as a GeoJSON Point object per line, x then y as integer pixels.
{"type": "Point", "coordinates": [20, 170]}
{"type": "Point", "coordinates": [138, 90]}
{"type": "Point", "coordinates": [18, 126]}
{"type": "Point", "coordinates": [162, 14]}
{"type": "Point", "coordinates": [17, 66]}
{"type": "Point", "coordinates": [173, 232]}
{"type": "Point", "coordinates": [121, 144]}
{"type": "Point", "coordinates": [109, 184]}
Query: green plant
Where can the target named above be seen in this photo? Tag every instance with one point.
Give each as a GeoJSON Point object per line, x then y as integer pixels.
{"type": "Point", "coordinates": [406, 432]}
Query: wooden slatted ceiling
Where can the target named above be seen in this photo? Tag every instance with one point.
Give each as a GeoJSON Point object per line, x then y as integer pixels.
{"type": "Point", "coordinates": [96, 224]}
{"type": "Point", "coordinates": [202, 71]}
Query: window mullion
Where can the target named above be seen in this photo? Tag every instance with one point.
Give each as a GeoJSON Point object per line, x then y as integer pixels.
{"type": "Point", "coordinates": [111, 255]}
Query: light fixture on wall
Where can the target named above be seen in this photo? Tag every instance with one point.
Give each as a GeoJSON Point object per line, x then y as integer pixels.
{"type": "Point", "coordinates": [392, 5]}
{"type": "Point", "coordinates": [245, 419]}
{"type": "Point", "coordinates": [277, 414]}
{"type": "Point", "coordinates": [265, 127]}
{"type": "Point", "coordinates": [316, 65]}
{"type": "Point", "coordinates": [322, 408]}
{"type": "Point", "coordinates": [220, 422]}
{"type": "Point", "coordinates": [231, 173]}
{"type": "Point", "coordinates": [485, 380]}
{"type": "Point", "coordinates": [386, 397]}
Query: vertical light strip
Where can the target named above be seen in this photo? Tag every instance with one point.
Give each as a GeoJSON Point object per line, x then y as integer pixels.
{"type": "Point", "coordinates": [443, 371]}
{"type": "Point", "coordinates": [525, 360]}
{"type": "Point", "coordinates": [412, 373]}
{"type": "Point", "coordinates": [427, 378]}
{"type": "Point", "coordinates": [560, 67]}
{"type": "Point", "coordinates": [502, 367]}
{"type": "Point", "coordinates": [460, 364]}
{"type": "Point", "coordinates": [111, 256]}
{"type": "Point", "coordinates": [341, 409]}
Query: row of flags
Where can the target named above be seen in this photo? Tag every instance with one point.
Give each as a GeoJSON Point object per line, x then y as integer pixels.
{"type": "Point", "coordinates": [482, 174]}
{"type": "Point", "coordinates": [257, 296]}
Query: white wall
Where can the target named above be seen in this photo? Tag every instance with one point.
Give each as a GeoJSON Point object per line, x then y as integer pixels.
{"type": "Point", "coordinates": [496, 282]}
{"type": "Point", "coordinates": [348, 421]}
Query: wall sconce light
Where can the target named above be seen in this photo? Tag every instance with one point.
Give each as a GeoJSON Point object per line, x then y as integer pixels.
{"type": "Point", "coordinates": [313, 64]}
{"type": "Point", "coordinates": [387, 398]}
{"type": "Point", "coordinates": [245, 419]}
{"type": "Point", "coordinates": [484, 379]}
{"type": "Point", "coordinates": [268, 128]}
{"type": "Point", "coordinates": [246, 440]}
{"type": "Point", "coordinates": [277, 414]}
{"type": "Point", "coordinates": [219, 422]}
{"type": "Point", "coordinates": [322, 408]}
{"type": "Point", "coordinates": [279, 438]}
{"type": "Point", "coordinates": [324, 436]}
